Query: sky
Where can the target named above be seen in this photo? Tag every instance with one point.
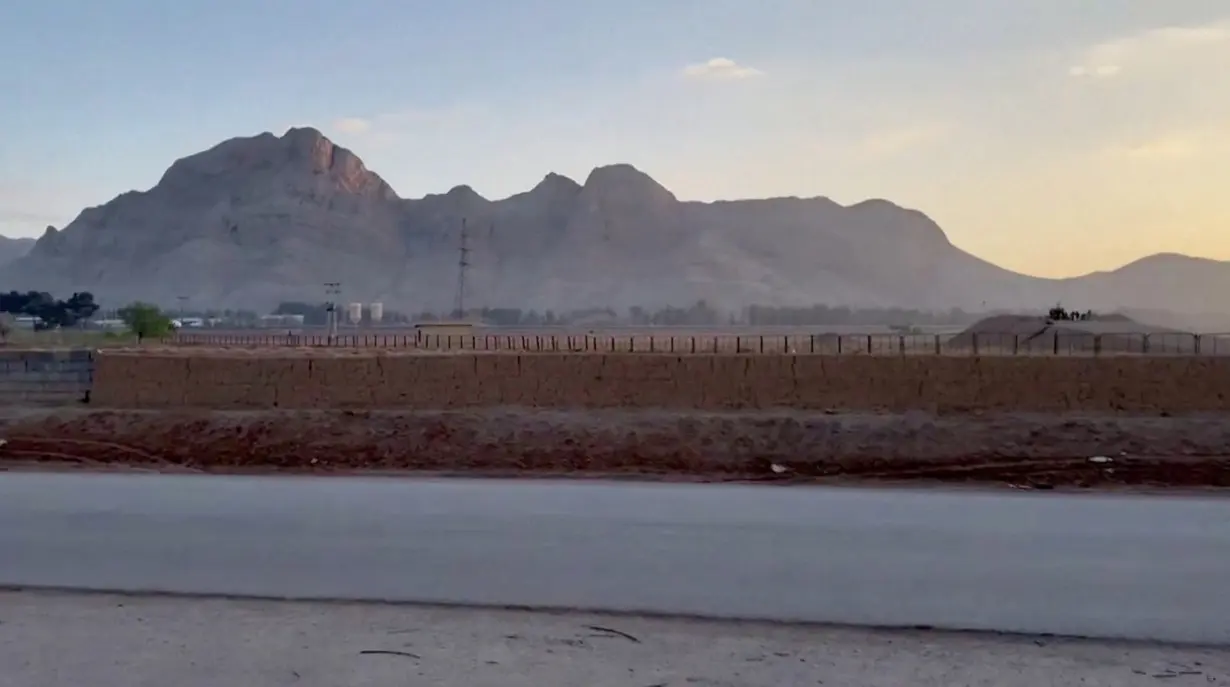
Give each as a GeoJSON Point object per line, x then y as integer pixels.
{"type": "Point", "coordinates": [1052, 137]}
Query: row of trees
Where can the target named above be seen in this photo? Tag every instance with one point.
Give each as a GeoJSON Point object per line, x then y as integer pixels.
{"type": "Point", "coordinates": [148, 320]}
{"type": "Point", "coordinates": [49, 312]}
{"type": "Point", "coordinates": [702, 313]}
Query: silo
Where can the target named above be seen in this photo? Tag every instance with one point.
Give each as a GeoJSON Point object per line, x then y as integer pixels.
{"type": "Point", "coordinates": [375, 312]}
{"type": "Point", "coordinates": [354, 312]}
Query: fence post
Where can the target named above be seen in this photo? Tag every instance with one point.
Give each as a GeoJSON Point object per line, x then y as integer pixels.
{"type": "Point", "coordinates": [868, 344]}
{"type": "Point", "coordinates": [1097, 344]}
{"type": "Point", "coordinates": [738, 344]}
{"type": "Point", "coordinates": [1196, 343]}
{"type": "Point", "coordinates": [1144, 344]}
{"type": "Point", "coordinates": [1016, 344]}
{"type": "Point", "coordinates": [974, 342]}
{"type": "Point", "coordinates": [839, 338]}
{"type": "Point", "coordinates": [901, 343]}
{"type": "Point", "coordinates": [715, 344]}
{"type": "Point", "coordinates": [1056, 344]}
{"type": "Point", "coordinates": [652, 344]}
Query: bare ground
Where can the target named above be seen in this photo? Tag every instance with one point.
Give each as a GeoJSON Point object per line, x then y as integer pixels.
{"type": "Point", "coordinates": [1041, 451]}
{"type": "Point", "coordinates": [112, 641]}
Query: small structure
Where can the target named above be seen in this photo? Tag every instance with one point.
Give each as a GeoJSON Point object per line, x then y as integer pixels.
{"type": "Point", "coordinates": [375, 312]}
{"type": "Point", "coordinates": [354, 313]}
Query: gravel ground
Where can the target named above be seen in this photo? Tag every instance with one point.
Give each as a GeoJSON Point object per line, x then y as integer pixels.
{"type": "Point", "coordinates": [54, 639]}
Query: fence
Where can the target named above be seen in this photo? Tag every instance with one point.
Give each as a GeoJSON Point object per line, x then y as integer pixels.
{"type": "Point", "coordinates": [36, 377]}
{"type": "Point", "coordinates": [983, 343]}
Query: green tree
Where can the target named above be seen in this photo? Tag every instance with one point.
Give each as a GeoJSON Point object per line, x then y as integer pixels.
{"type": "Point", "coordinates": [145, 320]}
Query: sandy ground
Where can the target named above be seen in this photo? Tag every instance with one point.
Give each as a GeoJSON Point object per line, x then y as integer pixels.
{"type": "Point", "coordinates": [1020, 449]}
{"type": "Point", "coordinates": [53, 639]}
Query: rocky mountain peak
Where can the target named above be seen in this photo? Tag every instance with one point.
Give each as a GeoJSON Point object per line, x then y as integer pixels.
{"type": "Point", "coordinates": [556, 182]}
{"type": "Point", "coordinates": [299, 153]}
{"type": "Point", "coordinates": [463, 193]}
{"type": "Point", "coordinates": [623, 181]}
{"type": "Point", "coordinates": [890, 221]}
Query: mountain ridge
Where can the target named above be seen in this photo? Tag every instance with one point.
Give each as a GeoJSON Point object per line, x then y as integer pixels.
{"type": "Point", "coordinates": [255, 220]}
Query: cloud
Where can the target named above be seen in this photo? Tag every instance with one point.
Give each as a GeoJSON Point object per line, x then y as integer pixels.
{"type": "Point", "coordinates": [1212, 142]}
{"type": "Point", "coordinates": [8, 214]}
{"type": "Point", "coordinates": [720, 69]}
{"type": "Point", "coordinates": [890, 142]}
{"type": "Point", "coordinates": [408, 122]}
{"type": "Point", "coordinates": [352, 125]}
{"type": "Point", "coordinates": [1100, 71]}
{"type": "Point", "coordinates": [35, 206]}
{"type": "Point", "coordinates": [1172, 148]}
{"type": "Point", "coordinates": [1166, 48]}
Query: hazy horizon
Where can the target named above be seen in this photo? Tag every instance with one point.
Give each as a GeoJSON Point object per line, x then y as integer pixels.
{"type": "Point", "coordinates": [1051, 140]}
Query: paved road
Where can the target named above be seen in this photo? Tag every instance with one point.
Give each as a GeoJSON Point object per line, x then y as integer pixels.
{"type": "Point", "coordinates": [1105, 566]}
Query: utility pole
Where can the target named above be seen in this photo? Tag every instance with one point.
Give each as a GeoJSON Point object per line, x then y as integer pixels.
{"type": "Point", "coordinates": [463, 262]}
{"type": "Point", "coordinates": [333, 290]}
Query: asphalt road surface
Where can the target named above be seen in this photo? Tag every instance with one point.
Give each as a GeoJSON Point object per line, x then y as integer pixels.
{"type": "Point", "coordinates": [1111, 566]}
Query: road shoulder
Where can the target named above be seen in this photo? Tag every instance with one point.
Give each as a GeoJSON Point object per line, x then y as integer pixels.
{"type": "Point", "coordinates": [112, 640]}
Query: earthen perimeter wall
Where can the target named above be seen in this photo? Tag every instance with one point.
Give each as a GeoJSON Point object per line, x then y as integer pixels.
{"type": "Point", "coordinates": [710, 382]}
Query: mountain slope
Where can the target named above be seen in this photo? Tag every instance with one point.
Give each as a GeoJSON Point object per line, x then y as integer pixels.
{"type": "Point", "coordinates": [11, 249]}
{"type": "Point", "coordinates": [256, 220]}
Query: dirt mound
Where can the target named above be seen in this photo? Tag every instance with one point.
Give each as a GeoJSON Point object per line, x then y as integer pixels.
{"type": "Point", "coordinates": [1018, 449]}
{"type": "Point", "coordinates": [1028, 334]}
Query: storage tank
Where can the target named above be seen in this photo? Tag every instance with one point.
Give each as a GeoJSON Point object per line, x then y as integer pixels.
{"type": "Point", "coordinates": [375, 312]}
{"type": "Point", "coordinates": [354, 312]}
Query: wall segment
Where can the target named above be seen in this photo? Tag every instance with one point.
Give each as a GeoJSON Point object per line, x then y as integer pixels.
{"type": "Point", "coordinates": [700, 382]}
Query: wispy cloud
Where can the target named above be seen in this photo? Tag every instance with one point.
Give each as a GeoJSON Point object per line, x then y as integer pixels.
{"type": "Point", "coordinates": [893, 141]}
{"type": "Point", "coordinates": [1165, 47]}
{"type": "Point", "coordinates": [32, 206]}
{"type": "Point", "coordinates": [352, 125]}
{"type": "Point", "coordinates": [405, 122]}
{"type": "Point", "coordinates": [721, 69]}
{"type": "Point", "coordinates": [1212, 141]}
{"type": "Point", "coordinates": [1096, 71]}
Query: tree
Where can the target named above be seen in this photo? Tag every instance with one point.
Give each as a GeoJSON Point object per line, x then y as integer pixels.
{"type": "Point", "coordinates": [146, 320]}
{"type": "Point", "coordinates": [50, 312]}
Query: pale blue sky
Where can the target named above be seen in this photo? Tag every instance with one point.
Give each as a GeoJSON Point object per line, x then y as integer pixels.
{"type": "Point", "coordinates": [1104, 124]}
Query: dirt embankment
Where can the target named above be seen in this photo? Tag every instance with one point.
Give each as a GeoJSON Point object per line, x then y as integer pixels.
{"type": "Point", "coordinates": [1020, 449]}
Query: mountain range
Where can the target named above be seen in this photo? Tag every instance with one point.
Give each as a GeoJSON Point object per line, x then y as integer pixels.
{"type": "Point", "coordinates": [258, 220]}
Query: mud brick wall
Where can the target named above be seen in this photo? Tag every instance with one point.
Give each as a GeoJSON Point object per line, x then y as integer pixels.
{"type": "Point", "coordinates": [702, 382]}
{"type": "Point", "coordinates": [43, 377]}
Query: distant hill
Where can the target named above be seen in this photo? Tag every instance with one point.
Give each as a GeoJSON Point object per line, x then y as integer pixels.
{"type": "Point", "coordinates": [257, 220]}
{"type": "Point", "coordinates": [11, 249]}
